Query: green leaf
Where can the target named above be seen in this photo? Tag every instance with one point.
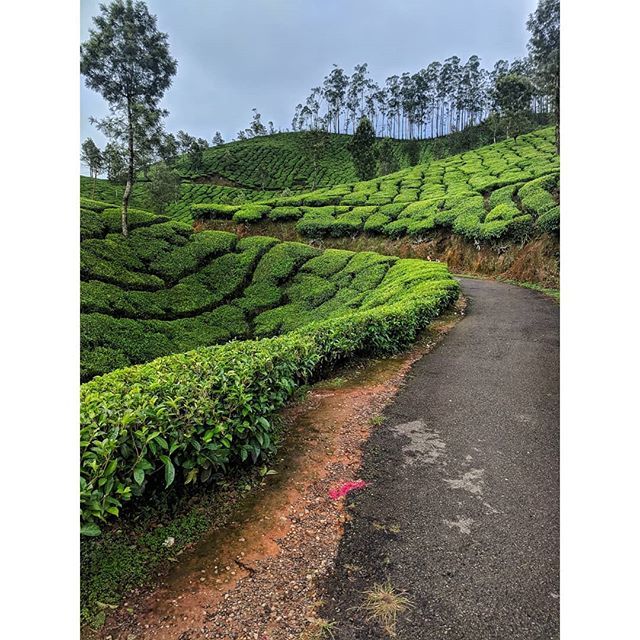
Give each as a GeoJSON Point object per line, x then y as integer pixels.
{"type": "Point", "coordinates": [138, 475]}
{"type": "Point", "coordinates": [169, 471]}
{"type": "Point", "coordinates": [90, 529]}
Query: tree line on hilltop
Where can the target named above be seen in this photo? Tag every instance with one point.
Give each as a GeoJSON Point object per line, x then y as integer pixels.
{"type": "Point", "coordinates": [127, 60]}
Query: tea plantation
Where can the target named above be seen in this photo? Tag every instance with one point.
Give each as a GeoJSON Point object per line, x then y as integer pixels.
{"type": "Point", "coordinates": [190, 193]}
{"type": "Point", "coordinates": [167, 290]}
{"type": "Point", "coordinates": [285, 161]}
{"type": "Point", "coordinates": [250, 170]}
{"type": "Point", "coordinates": [508, 190]}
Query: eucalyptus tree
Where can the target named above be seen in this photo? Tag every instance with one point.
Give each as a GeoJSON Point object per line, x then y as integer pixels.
{"type": "Point", "coordinates": [297, 123]}
{"type": "Point", "coordinates": [256, 128]}
{"type": "Point", "coordinates": [449, 83]}
{"type": "Point", "coordinates": [169, 149]}
{"type": "Point", "coordinates": [312, 105]}
{"type": "Point", "coordinates": [544, 50]}
{"type": "Point", "coordinates": [334, 89]}
{"type": "Point", "coordinates": [393, 91]}
{"type": "Point", "coordinates": [92, 157]}
{"type": "Point", "coordinates": [193, 148]}
{"type": "Point", "coordinates": [217, 139]}
{"type": "Point", "coordinates": [126, 59]}
{"type": "Point", "coordinates": [471, 96]}
{"type": "Point", "coordinates": [359, 84]}
{"type": "Point", "coordinates": [431, 78]}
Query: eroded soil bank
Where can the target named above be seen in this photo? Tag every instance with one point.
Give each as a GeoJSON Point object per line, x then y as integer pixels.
{"type": "Point", "coordinates": [257, 577]}
{"type": "Point", "coordinates": [537, 261]}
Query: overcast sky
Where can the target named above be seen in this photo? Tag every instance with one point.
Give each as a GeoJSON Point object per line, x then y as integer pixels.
{"type": "Point", "coordinates": [234, 55]}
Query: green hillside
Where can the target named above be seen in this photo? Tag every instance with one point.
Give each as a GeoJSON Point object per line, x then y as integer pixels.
{"type": "Point", "coordinates": [285, 161]}
{"type": "Point", "coordinates": [166, 289]}
{"type": "Point", "coordinates": [506, 190]}
{"type": "Point", "coordinates": [266, 166]}
{"type": "Point", "coordinates": [190, 193]}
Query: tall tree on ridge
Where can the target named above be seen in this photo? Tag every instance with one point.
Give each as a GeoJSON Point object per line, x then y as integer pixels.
{"type": "Point", "coordinates": [387, 162]}
{"type": "Point", "coordinates": [92, 157]}
{"type": "Point", "coordinates": [115, 164]}
{"type": "Point", "coordinates": [513, 98]}
{"type": "Point", "coordinates": [544, 49]}
{"type": "Point", "coordinates": [126, 59]}
{"type": "Point", "coordinates": [218, 139]}
{"type": "Point", "coordinates": [335, 86]}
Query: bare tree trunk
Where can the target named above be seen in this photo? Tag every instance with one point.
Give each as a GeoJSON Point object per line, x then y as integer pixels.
{"type": "Point", "coordinates": [557, 109]}
{"type": "Point", "coordinates": [130, 177]}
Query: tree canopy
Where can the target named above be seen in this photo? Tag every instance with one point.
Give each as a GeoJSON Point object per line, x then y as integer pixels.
{"type": "Point", "coordinates": [127, 61]}
{"type": "Point", "coordinates": [362, 148]}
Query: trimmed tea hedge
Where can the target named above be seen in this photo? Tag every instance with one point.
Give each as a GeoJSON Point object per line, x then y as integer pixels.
{"type": "Point", "coordinates": [481, 195]}
{"type": "Point", "coordinates": [187, 415]}
{"type": "Point", "coordinates": [166, 289]}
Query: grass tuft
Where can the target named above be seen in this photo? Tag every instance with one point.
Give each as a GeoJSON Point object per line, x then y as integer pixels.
{"type": "Point", "coordinates": [384, 604]}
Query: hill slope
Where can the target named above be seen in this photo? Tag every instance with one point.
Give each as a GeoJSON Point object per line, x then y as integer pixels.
{"type": "Point", "coordinates": [263, 167]}
{"type": "Point", "coordinates": [249, 170]}
{"type": "Point", "coordinates": [506, 190]}
{"type": "Point", "coordinates": [166, 289]}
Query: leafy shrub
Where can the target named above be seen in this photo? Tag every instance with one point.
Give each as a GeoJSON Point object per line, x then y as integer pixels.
{"type": "Point", "coordinates": [420, 226]}
{"type": "Point", "coordinates": [350, 222]}
{"type": "Point", "coordinates": [549, 222]}
{"type": "Point", "coordinates": [320, 200]}
{"type": "Point", "coordinates": [137, 218]}
{"type": "Point", "coordinates": [393, 210]}
{"type": "Point", "coordinates": [282, 260]}
{"type": "Point", "coordinates": [537, 201]}
{"type": "Point", "coordinates": [278, 214]}
{"type": "Point", "coordinates": [376, 223]}
{"type": "Point", "coordinates": [316, 223]}
{"type": "Point", "coordinates": [505, 211]}
{"type": "Point", "coordinates": [381, 198]}
{"type": "Point", "coordinates": [259, 297]}
{"type": "Point", "coordinates": [186, 259]}
{"type": "Point", "coordinates": [503, 195]}
{"type": "Point", "coordinates": [92, 224]}
{"type": "Point", "coordinates": [328, 263]}
{"type": "Point", "coordinates": [310, 290]}
{"type": "Point", "coordinates": [521, 227]}
{"type": "Point", "coordinates": [396, 228]}
{"type": "Point", "coordinates": [355, 198]}
{"type": "Point", "coordinates": [212, 210]}
{"type": "Point", "coordinates": [187, 415]}
{"type": "Point", "coordinates": [251, 213]}
{"type": "Point", "coordinates": [94, 205]}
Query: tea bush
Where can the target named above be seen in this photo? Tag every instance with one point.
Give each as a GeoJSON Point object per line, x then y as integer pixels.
{"type": "Point", "coordinates": [187, 415]}
{"type": "Point", "coordinates": [477, 194]}
{"type": "Point", "coordinates": [166, 289]}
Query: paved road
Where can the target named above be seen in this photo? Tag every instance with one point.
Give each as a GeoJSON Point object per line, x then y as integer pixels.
{"type": "Point", "coordinates": [462, 509]}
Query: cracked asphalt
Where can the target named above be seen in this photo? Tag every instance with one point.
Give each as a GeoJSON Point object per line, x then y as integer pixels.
{"type": "Point", "coordinates": [461, 510]}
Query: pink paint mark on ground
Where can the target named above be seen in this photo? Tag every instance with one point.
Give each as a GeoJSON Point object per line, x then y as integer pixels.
{"type": "Point", "coordinates": [345, 488]}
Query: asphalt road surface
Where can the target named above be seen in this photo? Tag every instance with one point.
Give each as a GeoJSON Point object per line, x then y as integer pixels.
{"type": "Point", "coordinates": [461, 511]}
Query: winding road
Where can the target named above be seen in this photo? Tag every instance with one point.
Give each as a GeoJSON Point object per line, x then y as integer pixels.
{"type": "Point", "coordinates": [461, 511]}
